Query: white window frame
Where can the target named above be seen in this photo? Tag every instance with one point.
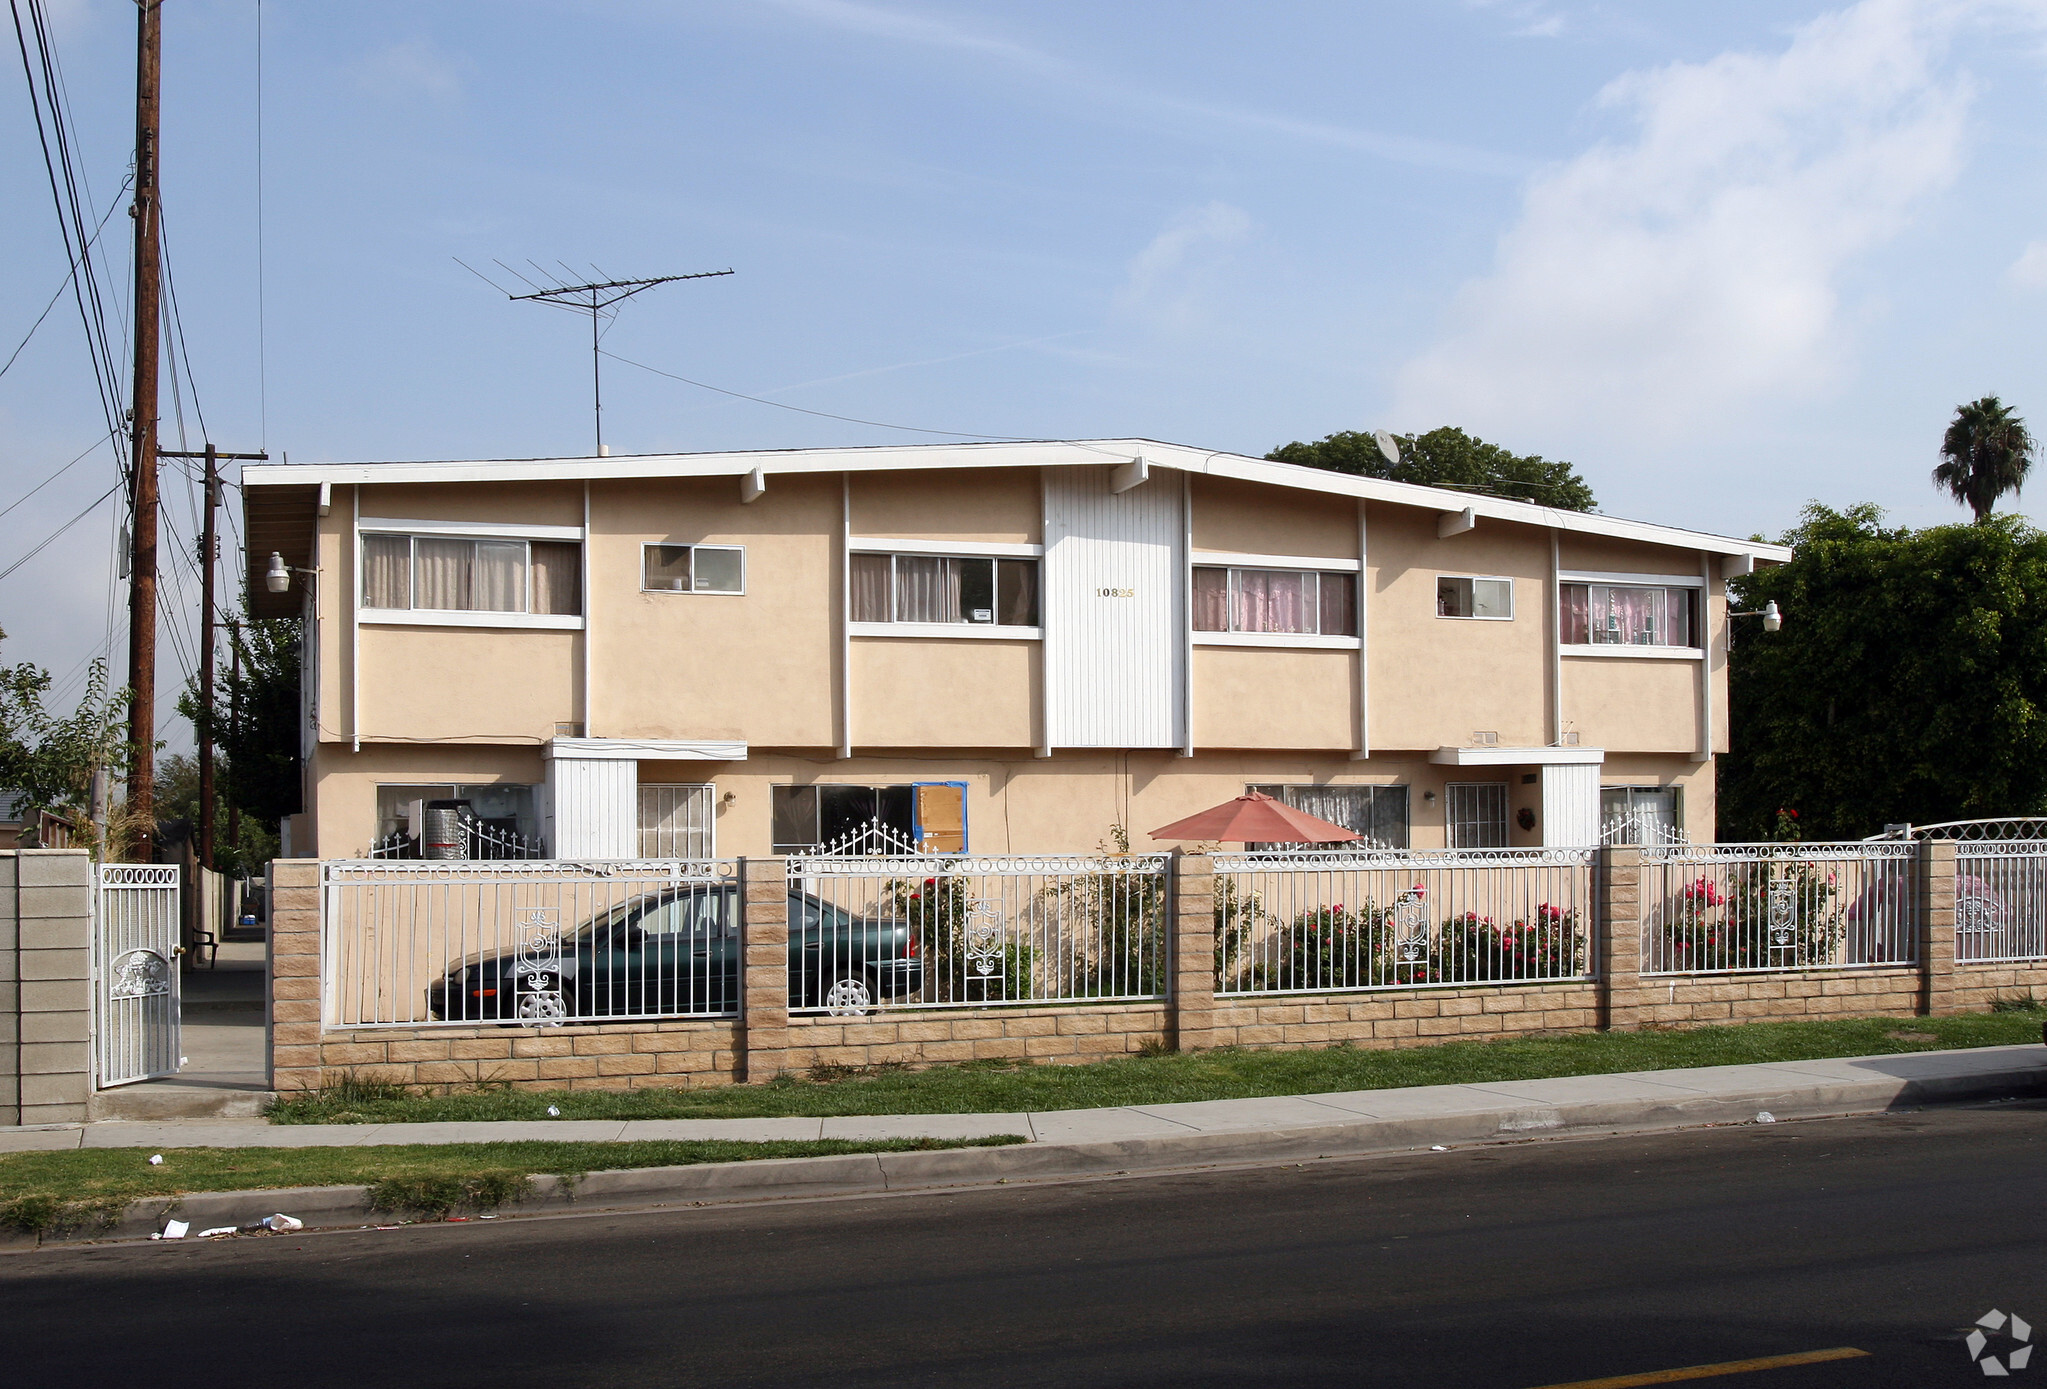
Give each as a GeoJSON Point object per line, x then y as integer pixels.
{"type": "Point", "coordinates": [367, 616]}
{"type": "Point", "coordinates": [692, 546]}
{"type": "Point", "coordinates": [648, 836]}
{"type": "Point", "coordinates": [1232, 562]}
{"type": "Point", "coordinates": [957, 549]}
{"type": "Point", "coordinates": [1512, 601]}
{"type": "Point", "coordinates": [1618, 651]}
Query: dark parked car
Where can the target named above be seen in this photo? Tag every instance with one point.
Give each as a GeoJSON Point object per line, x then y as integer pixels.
{"type": "Point", "coordinates": [678, 951]}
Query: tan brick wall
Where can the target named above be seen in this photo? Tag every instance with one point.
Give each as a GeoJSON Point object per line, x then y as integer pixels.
{"type": "Point", "coordinates": [45, 986]}
{"type": "Point", "coordinates": [1085, 1032]}
{"type": "Point", "coordinates": [1976, 987]}
{"type": "Point", "coordinates": [1406, 1017]}
{"type": "Point", "coordinates": [1678, 1000]}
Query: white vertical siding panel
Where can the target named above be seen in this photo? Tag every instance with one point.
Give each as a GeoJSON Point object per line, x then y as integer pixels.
{"type": "Point", "coordinates": [596, 807]}
{"type": "Point", "coordinates": [1570, 805]}
{"type": "Point", "coordinates": [1114, 664]}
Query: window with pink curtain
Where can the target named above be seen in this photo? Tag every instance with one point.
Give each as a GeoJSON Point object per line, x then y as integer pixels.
{"type": "Point", "coordinates": [1211, 600]}
{"type": "Point", "coordinates": [1272, 600]}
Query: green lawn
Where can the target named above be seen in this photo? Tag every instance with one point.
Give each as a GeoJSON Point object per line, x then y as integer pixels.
{"type": "Point", "coordinates": [993, 1088]}
{"type": "Point", "coordinates": [77, 1187]}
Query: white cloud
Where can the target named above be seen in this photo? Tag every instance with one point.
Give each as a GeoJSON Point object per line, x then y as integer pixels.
{"type": "Point", "coordinates": [1167, 287]}
{"type": "Point", "coordinates": [2029, 271]}
{"type": "Point", "coordinates": [1693, 268]}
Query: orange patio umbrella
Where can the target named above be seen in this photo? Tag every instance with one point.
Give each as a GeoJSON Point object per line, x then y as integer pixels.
{"type": "Point", "coordinates": [1255, 818]}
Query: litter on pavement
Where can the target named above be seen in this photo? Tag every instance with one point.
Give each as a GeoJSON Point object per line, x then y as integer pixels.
{"type": "Point", "coordinates": [1766, 1117]}
{"type": "Point", "coordinates": [175, 1229]}
{"type": "Point", "coordinates": [156, 1159]}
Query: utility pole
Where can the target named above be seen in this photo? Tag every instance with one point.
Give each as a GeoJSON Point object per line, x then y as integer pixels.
{"type": "Point", "coordinates": [234, 735]}
{"type": "Point", "coordinates": [209, 555]}
{"type": "Point", "coordinates": [142, 416]}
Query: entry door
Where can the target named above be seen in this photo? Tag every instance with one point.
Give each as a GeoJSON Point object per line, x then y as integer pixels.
{"type": "Point", "coordinates": [135, 972]}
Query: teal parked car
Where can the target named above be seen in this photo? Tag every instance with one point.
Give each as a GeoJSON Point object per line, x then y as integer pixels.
{"type": "Point", "coordinates": [678, 951]}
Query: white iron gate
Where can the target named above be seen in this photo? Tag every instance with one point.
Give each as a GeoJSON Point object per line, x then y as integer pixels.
{"type": "Point", "coordinates": [135, 972]}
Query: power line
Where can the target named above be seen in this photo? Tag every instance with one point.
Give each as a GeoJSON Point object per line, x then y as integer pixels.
{"type": "Point", "coordinates": [90, 449]}
{"type": "Point", "coordinates": [821, 414]}
{"type": "Point", "coordinates": [51, 538]}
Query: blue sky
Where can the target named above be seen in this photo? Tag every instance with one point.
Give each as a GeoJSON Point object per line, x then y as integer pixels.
{"type": "Point", "coordinates": [1725, 258]}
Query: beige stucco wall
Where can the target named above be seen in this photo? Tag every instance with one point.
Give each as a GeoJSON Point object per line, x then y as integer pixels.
{"type": "Point", "coordinates": [705, 665]}
{"type": "Point", "coordinates": [1639, 705]}
{"type": "Point", "coordinates": [443, 683]}
{"type": "Point", "coordinates": [1264, 697]}
{"type": "Point", "coordinates": [1004, 505]}
{"type": "Point", "coordinates": [971, 693]}
{"type": "Point", "coordinates": [1249, 519]}
{"type": "Point", "coordinates": [342, 785]}
{"type": "Point", "coordinates": [1438, 680]}
{"type": "Point", "coordinates": [524, 504]}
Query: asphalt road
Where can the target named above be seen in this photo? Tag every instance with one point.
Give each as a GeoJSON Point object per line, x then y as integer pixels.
{"type": "Point", "coordinates": [1515, 1266]}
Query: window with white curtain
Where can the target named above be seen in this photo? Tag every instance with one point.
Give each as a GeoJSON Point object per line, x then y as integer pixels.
{"type": "Point", "coordinates": [1459, 595]}
{"type": "Point", "coordinates": [1299, 602]}
{"type": "Point", "coordinates": [953, 589]}
{"type": "Point", "coordinates": [439, 573]}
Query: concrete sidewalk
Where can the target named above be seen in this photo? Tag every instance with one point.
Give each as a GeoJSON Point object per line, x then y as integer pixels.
{"type": "Point", "coordinates": [1351, 1121]}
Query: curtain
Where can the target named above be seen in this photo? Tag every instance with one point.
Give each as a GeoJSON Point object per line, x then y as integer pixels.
{"type": "Point", "coordinates": [1339, 607]}
{"type": "Point", "coordinates": [1016, 592]}
{"type": "Point", "coordinates": [557, 577]}
{"type": "Point", "coordinates": [1575, 612]}
{"type": "Point", "coordinates": [442, 571]}
{"type": "Point", "coordinates": [870, 588]}
{"type": "Point", "coordinates": [498, 584]}
{"type": "Point", "coordinates": [387, 571]}
{"type": "Point", "coordinates": [927, 589]}
{"type": "Point", "coordinates": [1273, 600]}
{"type": "Point", "coordinates": [1629, 616]}
{"type": "Point", "coordinates": [1211, 600]}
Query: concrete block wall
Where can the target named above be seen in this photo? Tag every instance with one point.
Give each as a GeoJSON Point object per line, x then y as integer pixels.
{"type": "Point", "coordinates": [45, 985]}
{"type": "Point", "coordinates": [766, 1041]}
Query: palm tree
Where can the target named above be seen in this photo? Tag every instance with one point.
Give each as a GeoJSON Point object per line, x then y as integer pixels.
{"type": "Point", "coordinates": [1985, 454]}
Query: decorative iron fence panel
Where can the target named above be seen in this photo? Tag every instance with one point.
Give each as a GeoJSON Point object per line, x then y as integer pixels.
{"type": "Point", "coordinates": [422, 943]}
{"type": "Point", "coordinates": [135, 949]}
{"type": "Point", "coordinates": [2001, 900]}
{"type": "Point", "coordinates": [1333, 922]}
{"type": "Point", "coordinates": [969, 931]}
{"type": "Point", "coordinates": [1736, 908]}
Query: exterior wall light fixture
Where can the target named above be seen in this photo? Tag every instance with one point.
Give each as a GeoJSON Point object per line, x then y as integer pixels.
{"type": "Point", "coordinates": [1773, 620]}
{"type": "Point", "coordinates": [277, 578]}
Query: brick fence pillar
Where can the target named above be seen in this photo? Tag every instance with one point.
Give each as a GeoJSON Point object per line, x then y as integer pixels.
{"type": "Point", "coordinates": [1190, 907]}
{"type": "Point", "coordinates": [764, 968]}
{"type": "Point", "coordinates": [293, 943]}
{"type": "Point", "coordinates": [1620, 937]}
{"type": "Point", "coordinates": [1936, 925]}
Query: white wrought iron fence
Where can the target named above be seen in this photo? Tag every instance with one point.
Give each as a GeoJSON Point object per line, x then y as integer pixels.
{"type": "Point", "coordinates": [421, 943]}
{"type": "Point", "coordinates": [1733, 908]}
{"type": "Point", "coordinates": [968, 931]}
{"type": "Point", "coordinates": [470, 841]}
{"type": "Point", "coordinates": [2000, 900]}
{"type": "Point", "coordinates": [135, 947]}
{"type": "Point", "coordinates": [1329, 922]}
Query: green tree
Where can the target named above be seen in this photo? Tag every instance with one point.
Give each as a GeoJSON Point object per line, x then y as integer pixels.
{"type": "Point", "coordinates": [1909, 682]}
{"type": "Point", "coordinates": [255, 723]}
{"type": "Point", "coordinates": [48, 759]}
{"type": "Point", "coordinates": [1447, 458]}
{"type": "Point", "coordinates": [1985, 453]}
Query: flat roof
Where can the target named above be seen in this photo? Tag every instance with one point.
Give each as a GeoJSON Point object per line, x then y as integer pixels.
{"type": "Point", "coordinates": [277, 491]}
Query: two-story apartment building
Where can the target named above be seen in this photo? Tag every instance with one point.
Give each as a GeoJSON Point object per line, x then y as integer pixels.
{"type": "Point", "coordinates": [989, 648]}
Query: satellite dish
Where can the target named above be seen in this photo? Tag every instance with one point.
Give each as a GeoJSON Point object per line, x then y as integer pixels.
{"type": "Point", "coordinates": [1388, 445]}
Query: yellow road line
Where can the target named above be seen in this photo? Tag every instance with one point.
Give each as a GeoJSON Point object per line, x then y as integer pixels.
{"type": "Point", "coordinates": [1727, 1367]}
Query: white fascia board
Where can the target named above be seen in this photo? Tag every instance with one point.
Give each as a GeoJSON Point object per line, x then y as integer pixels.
{"type": "Point", "coordinates": [998, 549]}
{"type": "Point", "coordinates": [1518, 757]}
{"type": "Point", "coordinates": [1594, 576]}
{"type": "Point", "coordinates": [1043, 454]}
{"type": "Point", "coordinates": [633, 749]}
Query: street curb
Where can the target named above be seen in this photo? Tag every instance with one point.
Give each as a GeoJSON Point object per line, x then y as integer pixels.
{"type": "Point", "coordinates": [874, 1173]}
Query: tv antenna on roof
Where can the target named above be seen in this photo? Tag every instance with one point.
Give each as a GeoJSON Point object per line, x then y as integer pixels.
{"type": "Point", "coordinates": [593, 299]}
